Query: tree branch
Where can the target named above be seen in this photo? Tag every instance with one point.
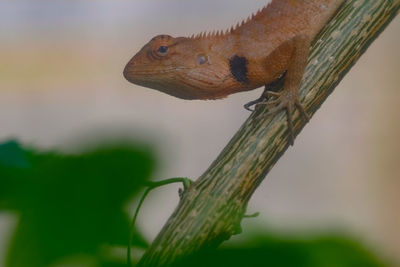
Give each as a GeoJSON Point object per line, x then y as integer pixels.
{"type": "Point", "coordinates": [211, 209]}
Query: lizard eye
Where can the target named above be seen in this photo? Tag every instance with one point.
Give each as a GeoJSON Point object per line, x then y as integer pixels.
{"type": "Point", "coordinates": [201, 59]}
{"type": "Point", "coordinates": [162, 50]}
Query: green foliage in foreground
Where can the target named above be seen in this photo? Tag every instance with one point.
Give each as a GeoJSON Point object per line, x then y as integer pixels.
{"type": "Point", "coordinates": [69, 204]}
{"type": "Point", "coordinates": [71, 213]}
{"type": "Point", "coordinates": [277, 251]}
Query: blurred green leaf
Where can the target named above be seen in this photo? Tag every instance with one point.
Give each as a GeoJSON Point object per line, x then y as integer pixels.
{"type": "Point", "coordinates": [69, 204]}
{"type": "Point", "coordinates": [71, 214]}
{"type": "Point", "coordinates": [277, 251]}
{"type": "Point", "coordinates": [11, 154]}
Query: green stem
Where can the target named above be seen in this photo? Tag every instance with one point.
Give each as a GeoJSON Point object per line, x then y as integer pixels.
{"type": "Point", "coordinates": [150, 186]}
{"type": "Point", "coordinates": [254, 215]}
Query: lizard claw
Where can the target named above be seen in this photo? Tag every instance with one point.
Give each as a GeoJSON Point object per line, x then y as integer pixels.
{"type": "Point", "coordinates": [270, 90]}
{"type": "Point", "coordinates": [285, 100]}
{"type": "Point", "coordinates": [254, 103]}
{"type": "Point", "coordinates": [262, 100]}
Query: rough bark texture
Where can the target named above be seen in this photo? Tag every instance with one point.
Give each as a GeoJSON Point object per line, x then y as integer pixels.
{"type": "Point", "coordinates": [211, 209]}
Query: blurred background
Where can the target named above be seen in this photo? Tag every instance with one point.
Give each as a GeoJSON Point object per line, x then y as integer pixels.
{"type": "Point", "coordinates": [61, 88]}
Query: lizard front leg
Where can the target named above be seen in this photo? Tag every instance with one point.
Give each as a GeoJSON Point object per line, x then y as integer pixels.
{"type": "Point", "coordinates": [274, 87]}
{"type": "Point", "coordinates": [288, 98]}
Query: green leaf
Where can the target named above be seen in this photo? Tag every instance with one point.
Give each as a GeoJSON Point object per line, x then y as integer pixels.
{"type": "Point", "coordinates": [279, 251]}
{"type": "Point", "coordinates": [11, 154]}
{"type": "Point", "coordinates": [70, 204]}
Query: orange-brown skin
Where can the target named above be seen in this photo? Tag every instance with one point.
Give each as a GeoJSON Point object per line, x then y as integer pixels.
{"type": "Point", "coordinates": [248, 56]}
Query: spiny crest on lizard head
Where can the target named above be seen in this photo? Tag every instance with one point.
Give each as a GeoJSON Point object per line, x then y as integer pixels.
{"type": "Point", "coordinates": [232, 30]}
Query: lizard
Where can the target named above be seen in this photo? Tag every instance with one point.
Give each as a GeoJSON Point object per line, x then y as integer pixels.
{"type": "Point", "coordinates": [269, 48]}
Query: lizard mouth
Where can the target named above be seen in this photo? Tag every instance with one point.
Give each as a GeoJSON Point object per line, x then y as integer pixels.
{"type": "Point", "coordinates": [135, 74]}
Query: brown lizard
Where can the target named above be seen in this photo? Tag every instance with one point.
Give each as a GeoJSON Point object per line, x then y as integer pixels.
{"type": "Point", "coordinates": [269, 46]}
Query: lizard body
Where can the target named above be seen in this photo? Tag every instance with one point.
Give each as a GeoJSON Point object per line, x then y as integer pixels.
{"type": "Point", "coordinates": [257, 52]}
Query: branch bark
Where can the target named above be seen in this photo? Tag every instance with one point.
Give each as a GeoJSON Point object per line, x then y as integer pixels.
{"type": "Point", "coordinates": [211, 209]}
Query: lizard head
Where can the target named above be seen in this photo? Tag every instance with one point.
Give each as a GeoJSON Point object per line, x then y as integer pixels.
{"type": "Point", "coordinates": [183, 67]}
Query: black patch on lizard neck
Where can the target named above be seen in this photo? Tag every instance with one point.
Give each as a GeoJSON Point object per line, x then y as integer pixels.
{"type": "Point", "coordinates": [238, 67]}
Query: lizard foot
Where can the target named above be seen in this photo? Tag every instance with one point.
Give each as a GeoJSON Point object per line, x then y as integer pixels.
{"type": "Point", "coordinates": [254, 103]}
{"type": "Point", "coordinates": [271, 87]}
{"type": "Point", "coordinates": [288, 100]}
